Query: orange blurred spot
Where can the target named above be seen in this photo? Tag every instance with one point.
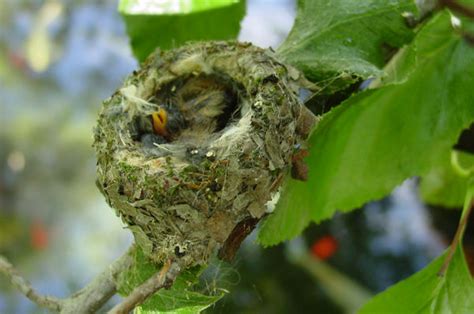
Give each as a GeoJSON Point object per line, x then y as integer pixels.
{"type": "Point", "coordinates": [38, 235]}
{"type": "Point", "coordinates": [324, 248]}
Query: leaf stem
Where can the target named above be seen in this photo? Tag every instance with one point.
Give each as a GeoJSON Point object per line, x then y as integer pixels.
{"type": "Point", "coordinates": [469, 204]}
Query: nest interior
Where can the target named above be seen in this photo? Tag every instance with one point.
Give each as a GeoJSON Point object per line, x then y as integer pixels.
{"type": "Point", "coordinates": [232, 113]}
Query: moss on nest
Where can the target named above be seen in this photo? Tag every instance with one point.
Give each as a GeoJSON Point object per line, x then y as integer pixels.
{"type": "Point", "coordinates": [237, 126]}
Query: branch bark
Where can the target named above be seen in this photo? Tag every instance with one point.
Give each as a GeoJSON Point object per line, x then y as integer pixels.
{"type": "Point", "coordinates": [93, 296]}
{"type": "Point", "coordinates": [164, 278]}
{"type": "Point", "coordinates": [87, 300]}
{"type": "Point", "coordinates": [458, 7]}
{"type": "Point", "coordinates": [24, 286]}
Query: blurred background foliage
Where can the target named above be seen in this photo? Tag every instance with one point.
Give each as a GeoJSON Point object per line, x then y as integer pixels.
{"type": "Point", "coordinates": [58, 61]}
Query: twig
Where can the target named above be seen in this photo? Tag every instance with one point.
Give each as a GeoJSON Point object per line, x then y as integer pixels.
{"type": "Point", "coordinates": [87, 300]}
{"type": "Point", "coordinates": [164, 278]}
{"type": "Point", "coordinates": [458, 7]}
{"type": "Point", "coordinates": [93, 296]}
{"type": "Point", "coordinates": [457, 238]}
{"type": "Point", "coordinates": [24, 286]}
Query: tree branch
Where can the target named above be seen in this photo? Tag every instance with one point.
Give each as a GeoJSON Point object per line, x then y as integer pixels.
{"type": "Point", "coordinates": [93, 296]}
{"type": "Point", "coordinates": [164, 278]}
{"type": "Point", "coordinates": [24, 286]}
{"type": "Point", "coordinates": [87, 300]}
{"type": "Point", "coordinates": [458, 7]}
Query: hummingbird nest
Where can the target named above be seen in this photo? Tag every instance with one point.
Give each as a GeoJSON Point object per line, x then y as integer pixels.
{"type": "Point", "coordinates": [234, 128]}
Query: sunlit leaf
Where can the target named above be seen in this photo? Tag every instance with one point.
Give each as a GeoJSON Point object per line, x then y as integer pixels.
{"type": "Point", "coordinates": [153, 7]}
{"type": "Point", "coordinates": [368, 145]}
{"type": "Point", "coordinates": [340, 42]}
{"type": "Point", "coordinates": [168, 24]}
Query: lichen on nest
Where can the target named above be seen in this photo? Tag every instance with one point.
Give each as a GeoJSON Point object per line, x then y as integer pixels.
{"type": "Point", "coordinates": [233, 123]}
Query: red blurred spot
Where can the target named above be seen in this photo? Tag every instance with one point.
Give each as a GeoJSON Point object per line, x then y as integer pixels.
{"type": "Point", "coordinates": [39, 235]}
{"type": "Point", "coordinates": [324, 248]}
{"type": "Point", "coordinates": [17, 60]}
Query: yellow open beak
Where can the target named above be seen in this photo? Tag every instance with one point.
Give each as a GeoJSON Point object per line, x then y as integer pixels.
{"type": "Point", "coordinates": [160, 120]}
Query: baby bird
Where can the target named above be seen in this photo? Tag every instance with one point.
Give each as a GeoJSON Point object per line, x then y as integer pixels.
{"type": "Point", "coordinates": [192, 111]}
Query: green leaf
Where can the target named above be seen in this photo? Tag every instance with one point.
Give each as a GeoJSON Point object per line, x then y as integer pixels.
{"type": "Point", "coordinates": [168, 24]}
{"type": "Point", "coordinates": [181, 298]}
{"type": "Point", "coordinates": [368, 145]}
{"type": "Point", "coordinates": [152, 7]}
{"type": "Point", "coordinates": [442, 185]}
{"type": "Point", "coordinates": [188, 310]}
{"type": "Point", "coordinates": [445, 286]}
{"type": "Point", "coordinates": [340, 42]}
{"type": "Point", "coordinates": [426, 292]}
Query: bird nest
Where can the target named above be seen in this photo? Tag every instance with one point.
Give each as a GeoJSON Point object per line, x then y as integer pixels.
{"type": "Point", "coordinates": [192, 149]}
